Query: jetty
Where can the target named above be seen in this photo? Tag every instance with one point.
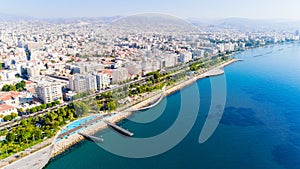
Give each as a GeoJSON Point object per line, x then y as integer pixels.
{"type": "Point", "coordinates": [118, 128]}
{"type": "Point", "coordinates": [91, 138]}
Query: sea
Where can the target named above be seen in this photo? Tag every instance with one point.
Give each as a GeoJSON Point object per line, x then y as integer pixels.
{"type": "Point", "coordinates": [259, 127]}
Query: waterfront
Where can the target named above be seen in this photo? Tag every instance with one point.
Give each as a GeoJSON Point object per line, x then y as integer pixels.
{"type": "Point", "coordinates": [259, 128]}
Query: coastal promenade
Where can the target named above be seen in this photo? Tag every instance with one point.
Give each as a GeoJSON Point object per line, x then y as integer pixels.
{"type": "Point", "coordinates": [35, 160]}
{"type": "Point", "coordinates": [95, 127]}
{"type": "Point", "coordinates": [39, 158]}
{"type": "Point", "coordinates": [218, 70]}
{"type": "Point", "coordinates": [116, 117]}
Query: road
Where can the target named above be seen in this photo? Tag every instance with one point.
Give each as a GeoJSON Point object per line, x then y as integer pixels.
{"type": "Point", "coordinates": [34, 160]}
{"type": "Point", "coordinates": [15, 123]}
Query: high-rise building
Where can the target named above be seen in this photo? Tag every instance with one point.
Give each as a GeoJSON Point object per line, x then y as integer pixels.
{"type": "Point", "coordinates": [119, 75]}
{"type": "Point", "coordinates": [133, 68]}
{"type": "Point", "coordinates": [185, 57]}
{"type": "Point", "coordinates": [48, 91]}
{"type": "Point", "coordinates": [103, 81]}
{"type": "Point", "coordinates": [33, 71]}
{"type": "Point", "coordinates": [91, 82]}
{"type": "Point", "coordinates": [82, 83]}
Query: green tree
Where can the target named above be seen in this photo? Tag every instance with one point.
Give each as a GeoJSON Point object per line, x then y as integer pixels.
{"type": "Point", "coordinates": [111, 105]}
{"type": "Point", "coordinates": [14, 115]}
{"type": "Point", "coordinates": [37, 133]}
{"type": "Point", "coordinates": [21, 110]}
{"type": "Point", "coordinates": [43, 106]}
{"type": "Point", "coordinates": [63, 112]}
{"type": "Point", "coordinates": [10, 137]}
{"type": "Point", "coordinates": [38, 108]}
{"type": "Point", "coordinates": [33, 110]}
{"type": "Point", "coordinates": [7, 118]}
{"type": "Point", "coordinates": [5, 88]}
{"type": "Point", "coordinates": [60, 119]}
{"type": "Point", "coordinates": [23, 123]}
{"type": "Point", "coordinates": [49, 105]}
{"type": "Point", "coordinates": [53, 104]}
{"type": "Point", "coordinates": [26, 136]}
{"type": "Point", "coordinates": [81, 108]}
{"type": "Point", "coordinates": [5, 147]}
{"type": "Point", "coordinates": [57, 102]}
{"type": "Point", "coordinates": [12, 88]}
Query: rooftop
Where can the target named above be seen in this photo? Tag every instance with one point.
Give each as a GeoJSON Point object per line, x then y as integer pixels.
{"type": "Point", "coordinates": [4, 96]}
{"type": "Point", "coordinates": [4, 107]}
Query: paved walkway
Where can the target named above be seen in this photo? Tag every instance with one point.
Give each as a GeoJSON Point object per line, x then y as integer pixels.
{"type": "Point", "coordinates": [35, 160]}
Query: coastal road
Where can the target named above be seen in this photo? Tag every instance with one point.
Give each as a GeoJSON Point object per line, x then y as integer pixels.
{"type": "Point", "coordinates": [16, 122]}
{"type": "Point", "coordinates": [35, 160]}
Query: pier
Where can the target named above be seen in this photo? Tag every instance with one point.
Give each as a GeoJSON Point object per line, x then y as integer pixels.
{"type": "Point", "coordinates": [118, 128]}
{"type": "Point", "coordinates": [91, 138]}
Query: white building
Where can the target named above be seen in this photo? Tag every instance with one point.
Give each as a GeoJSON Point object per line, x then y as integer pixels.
{"type": "Point", "coordinates": [119, 75]}
{"type": "Point", "coordinates": [185, 57]}
{"type": "Point", "coordinates": [33, 71]}
{"type": "Point", "coordinates": [133, 68]}
{"type": "Point", "coordinates": [8, 75]}
{"type": "Point", "coordinates": [198, 53]}
{"type": "Point", "coordinates": [221, 48]}
{"type": "Point", "coordinates": [10, 98]}
{"type": "Point", "coordinates": [103, 81]}
{"type": "Point", "coordinates": [91, 82]}
{"type": "Point", "coordinates": [48, 91]}
{"type": "Point", "coordinates": [82, 83]}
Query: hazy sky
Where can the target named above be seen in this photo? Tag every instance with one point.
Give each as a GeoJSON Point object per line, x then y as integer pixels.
{"type": "Point", "coordinates": [262, 9]}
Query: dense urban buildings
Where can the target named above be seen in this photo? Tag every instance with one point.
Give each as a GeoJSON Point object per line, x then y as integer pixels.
{"type": "Point", "coordinates": [58, 59]}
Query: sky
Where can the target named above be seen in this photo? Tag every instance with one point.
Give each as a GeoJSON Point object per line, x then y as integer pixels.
{"type": "Point", "coordinates": [253, 9]}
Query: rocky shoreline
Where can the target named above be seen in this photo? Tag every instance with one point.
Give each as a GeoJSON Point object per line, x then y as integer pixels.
{"type": "Point", "coordinates": [64, 144]}
{"type": "Point", "coordinates": [91, 130]}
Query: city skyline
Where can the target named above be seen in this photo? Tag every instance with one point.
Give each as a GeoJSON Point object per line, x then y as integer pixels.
{"type": "Point", "coordinates": [213, 9]}
{"type": "Point", "coordinates": [74, 70]}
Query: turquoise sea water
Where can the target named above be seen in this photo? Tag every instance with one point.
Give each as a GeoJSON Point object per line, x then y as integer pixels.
{"type": "Point", "coordinates": [260, 127]}
{"type": "Point", "coordinates": [76, 124]}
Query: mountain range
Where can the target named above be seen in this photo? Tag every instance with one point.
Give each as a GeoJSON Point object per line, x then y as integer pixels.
{"type": "Point", "coordinates": [231, 23]}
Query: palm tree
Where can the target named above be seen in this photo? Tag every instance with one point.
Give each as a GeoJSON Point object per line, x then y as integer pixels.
{"type": "Point", "coordinates": [16, 149]}
{"type": "Point", "coordinates": [26, 136]}
{"type": "Point", "coordinates": [5, 147]}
